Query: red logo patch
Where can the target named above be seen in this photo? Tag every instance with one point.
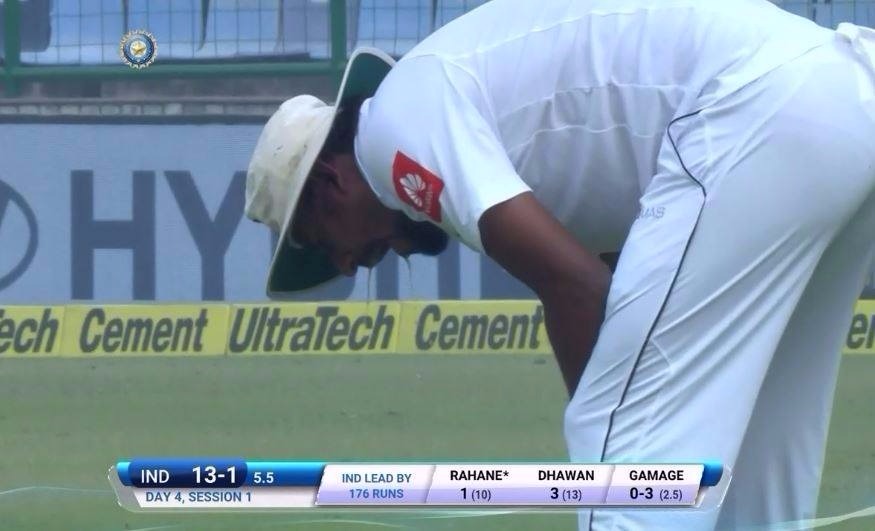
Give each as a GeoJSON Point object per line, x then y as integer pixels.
{"type": "Point", "coordinates": [417, 186]}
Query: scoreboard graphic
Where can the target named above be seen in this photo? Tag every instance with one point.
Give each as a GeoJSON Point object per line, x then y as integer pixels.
{"type": "Point", "coordinates": [147, 484]}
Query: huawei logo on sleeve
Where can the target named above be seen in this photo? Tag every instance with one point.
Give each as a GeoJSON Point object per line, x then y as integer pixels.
{"type": "Point", "coordinates": [414, 187]}
{"type": "Point", "coordinates": [417, 186]}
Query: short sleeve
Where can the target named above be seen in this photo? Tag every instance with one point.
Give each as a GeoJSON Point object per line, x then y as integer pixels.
{"type": "Point", "coordinates": [426, 145]}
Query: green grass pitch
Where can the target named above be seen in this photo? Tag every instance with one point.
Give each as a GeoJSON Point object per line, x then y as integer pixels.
{"type": "Point", "coordinates": [63, 422]}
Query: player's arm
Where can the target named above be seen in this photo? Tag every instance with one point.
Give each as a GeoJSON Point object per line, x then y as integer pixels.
{"type": "Point", "coordinates": [571, 282]}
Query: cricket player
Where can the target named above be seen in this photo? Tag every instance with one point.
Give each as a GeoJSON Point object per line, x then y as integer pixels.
{"type": "Point", "coordinates": [725, 149]}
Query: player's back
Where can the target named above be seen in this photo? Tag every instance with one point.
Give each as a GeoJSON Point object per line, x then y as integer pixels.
{"type": "Point", "coordinates": [572, 96]}
{"type": "Point", "coordinates": [522, 50]}
{"type": "Point", "coordinates": [580, 92]}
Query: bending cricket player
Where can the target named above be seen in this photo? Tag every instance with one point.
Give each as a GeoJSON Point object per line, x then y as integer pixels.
{"type": "Point", "coordinates": [725, 149]}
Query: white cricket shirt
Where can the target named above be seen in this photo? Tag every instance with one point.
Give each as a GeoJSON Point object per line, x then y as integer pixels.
{"type": "Point", "coordinates": [567, 98]}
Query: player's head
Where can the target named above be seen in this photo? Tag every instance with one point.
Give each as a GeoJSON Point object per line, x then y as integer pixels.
{"type": "Point", "coordinates": [304, 183]}
{"type": "Point", "coordinates": [339, 214]}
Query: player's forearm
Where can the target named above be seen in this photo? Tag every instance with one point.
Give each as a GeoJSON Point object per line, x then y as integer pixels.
{"type": "Point", "coordinates": [528, 241]}
{"type": "Point", "coordinates": [573, 316]}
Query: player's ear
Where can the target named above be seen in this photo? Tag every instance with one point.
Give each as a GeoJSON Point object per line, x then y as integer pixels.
{"type": "Point", "coordinates": [343, 173]}
{"type": "Point", "coordinates": [326, 172]}
{"type": "Point", "coordinates": [324, 184]}
{"type": "Point", "coordinates": [331, 186]}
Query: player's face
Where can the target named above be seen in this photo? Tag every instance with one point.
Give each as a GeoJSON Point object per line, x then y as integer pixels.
{"type": "Point", "coordinates": [340, 215]}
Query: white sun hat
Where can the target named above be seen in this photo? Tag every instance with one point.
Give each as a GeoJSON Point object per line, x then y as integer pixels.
{"type": "Point", "coordinates": [283, 158]}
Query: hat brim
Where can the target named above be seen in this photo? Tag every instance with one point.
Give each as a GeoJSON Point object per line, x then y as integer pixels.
{"type": "Point", "coordinates": [296, 269]}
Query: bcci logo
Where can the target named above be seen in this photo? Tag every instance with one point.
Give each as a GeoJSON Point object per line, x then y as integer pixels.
{"type": "Point", "coordinates": [138, 48]}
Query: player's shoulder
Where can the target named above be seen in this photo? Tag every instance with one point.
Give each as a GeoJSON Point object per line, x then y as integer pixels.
{"type": "Point", "coordinates": [389, 123]}
{"type": "Point", "coordinates": [414, 98]}
{"type": "Point", "coordinates": [420, 75]}
{"type": "Point", "coordinates": [400, 106]}
{"type": "Point", "coordinates": [414, 118]}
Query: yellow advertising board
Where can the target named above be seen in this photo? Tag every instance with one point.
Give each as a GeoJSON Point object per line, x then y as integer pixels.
{"type": "Point", "coordinates": [861, 335]}
{"type": "Point", "coordinates": [31, 330]}
{"type": "Point", "coordinates": [145, 329]}
{"type": "Point", "coordinates": [378, 327]}
{"type": "Point", "coordinates": [314, 328]}
{"type": "Point", "coordinates": [468, 327]}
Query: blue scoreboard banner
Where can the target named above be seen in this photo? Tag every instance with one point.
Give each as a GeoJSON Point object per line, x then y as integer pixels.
{"type": "Point", "coordinates": [237, 484]}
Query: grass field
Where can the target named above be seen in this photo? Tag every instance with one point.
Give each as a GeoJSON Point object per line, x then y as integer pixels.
{"type": "Point", "coordinates": [63, 422]}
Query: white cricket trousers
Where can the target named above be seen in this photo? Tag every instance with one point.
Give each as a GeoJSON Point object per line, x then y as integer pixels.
{"type": "Point", "coordinates": [727, 314]}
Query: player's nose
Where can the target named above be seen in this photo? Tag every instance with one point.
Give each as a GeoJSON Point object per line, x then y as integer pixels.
{"type": "Point", "coordinates": [402, 247]}
{"type": "Point", "coordinates": [345, 263]}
